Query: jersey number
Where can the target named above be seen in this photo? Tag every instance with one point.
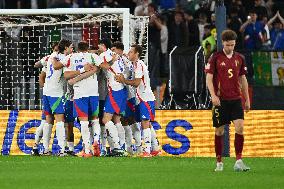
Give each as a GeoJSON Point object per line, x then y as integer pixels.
{"type": "Point", "coordinates": [78, 67]}
{"type": "Point", "coordinates": [230, 72]}
{"type": "Point", "coordinates": [51, 71]}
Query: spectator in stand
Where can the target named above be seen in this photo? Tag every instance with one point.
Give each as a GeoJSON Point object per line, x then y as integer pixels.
{"type": "Point", "coordinates": [178, 33]}
{"type": "Point", "coordinates": [60, 4]}
{"type": "Point", "coordinates": [142, 8]}
{"type": "Point", "coordinates": [154, 47]}
{"type": "Point", "coordinates": [110, 4]}
{"type": "Point", "coordinates": [260, 9]}
{"type": "Point", "coordinates": [234, 23]}
{"type": "Point", "coordinates": [162, 25]}
{"type": "Point", "coordinates": [209, 41]}
{"type": "Point", "coordinates": [269, 7]}
{"type": "Point", "coordinates": [202, 21]}
{"type": "Point", "coordinates": [275, 25]}
{"type": "Point", "coordinates": [193, 30]}
{"type": "Point", "coordinates": [241, 10]}
{"type": "Point", "coordinates": [253, 30]}
{"type": "Point", "coordinates": [127, 4]}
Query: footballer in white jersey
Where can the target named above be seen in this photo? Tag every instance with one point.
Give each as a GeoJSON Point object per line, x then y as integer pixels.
{"type": "Point", "coordinates": [53, 104]}
{"type": "Point", "coordinates": [86, 96]}
{"type": "Point", "coordinates": [39, 131]}
{"type": "Point", "coordinates": [144, 96]}
{"type": "Point", "coordinates": [115, 102]}
{"type": "Point", "coordinates": [128, 120]}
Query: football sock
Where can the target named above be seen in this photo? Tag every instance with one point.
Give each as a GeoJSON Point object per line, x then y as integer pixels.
{"type": "Point", "coordinates": [147, 140]}
{"type": "Point", "coordinates": [47, 128]}
{"type": "Point", "coordinates": [219, 147]}
{"type": "Point", "coordinates": [60, 133]}
{"type": "Point", "coordinates": [121, 134]}
{"type": "Point", "coordinates": [154, 140]}
{"type": "Point", "coordinates": [128, 136]}
{"type": "Point", "coordinates": [136, 131]}
{"type": "Point", "coordinates": [239, 143]}
{"type": "Point", "coordinates": [96, 130]}
{"type": "Point", "coordinates": [113, 133]}
{"type": "Point", "coordinates": [71, 146]}
{"type": "Point", "coordinates": [103, 137]}
{"type": "Point", "coordinates": [38, 133]}
{"type": "Point", "coordinates": [85, 135]}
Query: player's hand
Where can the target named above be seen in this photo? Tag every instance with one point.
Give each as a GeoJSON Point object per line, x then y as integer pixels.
{"type": "Point", "coordinates": [88, 67]}
{"type": "Point", "coordinates": [119, 78]}
{"type": "Point", "coordinates": [216, 101]}
{"type": "Point", "coordinates": [247, 105]}
{"type": "Point", "coordinates": [71, 81]}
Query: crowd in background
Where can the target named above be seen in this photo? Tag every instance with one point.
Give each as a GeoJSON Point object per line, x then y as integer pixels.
{"type": "Point", "coordinates": [259, 24]}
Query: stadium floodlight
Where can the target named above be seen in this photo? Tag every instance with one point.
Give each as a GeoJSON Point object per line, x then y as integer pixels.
{"type": "Point", "coordinates": [26, 36]}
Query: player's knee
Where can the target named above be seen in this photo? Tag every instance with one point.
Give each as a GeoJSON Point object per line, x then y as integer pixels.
{"type": "Point", "coordinates": [219, 131]}
{"type": "Point", "coordinates": [239, 129]}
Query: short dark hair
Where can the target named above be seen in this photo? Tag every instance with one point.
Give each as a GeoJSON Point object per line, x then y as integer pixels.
{"type": "Point", "coordinates": [106, 42]}
{"type": "Point", "coordinates": [154, 6]}
{"type": "Point", "coordinates": [63, 43]}
{"type": "Point", "coordinates": [118, 45]}
{"type": "Point", "coordinates": [138, 49]}
{"type": "Point", "coordinates": [54, 44]}
{"type": "Point", "coordinates": [252, 11]}
{"type": "Point", "coordinates": [229, 35]}
{"type": "Point", "coordinates": [83, 46]}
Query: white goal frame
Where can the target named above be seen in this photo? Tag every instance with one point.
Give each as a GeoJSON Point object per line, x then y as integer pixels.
{"type": "Point", "coordinates": [124, 11]}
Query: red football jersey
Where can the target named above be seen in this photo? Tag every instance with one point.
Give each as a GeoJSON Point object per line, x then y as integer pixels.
{"type": "Point", "coordinates": [226, 73]}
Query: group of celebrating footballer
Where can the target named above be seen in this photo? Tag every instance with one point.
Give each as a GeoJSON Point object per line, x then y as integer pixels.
{"type": "Point", "coordinates": [107, 91]}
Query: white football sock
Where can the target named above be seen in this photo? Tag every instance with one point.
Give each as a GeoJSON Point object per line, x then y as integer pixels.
{"type": "Point", "coordinates": [136, 131]}
{"type": "Point", "coordinates": [121, 134]}
{"type": "Point", "coordinates": [38, 133]}
{"type": "Point", "coordinates": [154, 140]}
{"type": "Point", "coordinates": [103, 137]}
{"type": "Point", "coordinates": [96, 130]}
{"type": "Point", "coordinates": [85, 135]}
{"type": "Point", "coordinates": [71, 146]}
{"type": "Point", "coordinates": [147, 140]}
{"type": "Point", "coordinates": [60, 133]}
{"type": "Point", "coordinates": [47, 128]}
{"type": "Point", "coordinates": [128, 137]}
{"type": "Point", "coordinates": [112, 130]}
{"type": "Point", "coordinates": [91, 134]}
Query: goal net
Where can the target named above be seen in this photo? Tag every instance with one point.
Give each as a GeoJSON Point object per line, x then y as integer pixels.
{"type": "Point", "coordinates": [27, 35]}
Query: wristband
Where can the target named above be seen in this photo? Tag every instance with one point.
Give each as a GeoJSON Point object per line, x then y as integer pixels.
{"type": "Point", "coordinates": [82, 70]}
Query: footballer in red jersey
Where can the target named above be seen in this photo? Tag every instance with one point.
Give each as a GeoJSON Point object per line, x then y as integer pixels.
{"type": "Point", "coordinates": [226, 82]}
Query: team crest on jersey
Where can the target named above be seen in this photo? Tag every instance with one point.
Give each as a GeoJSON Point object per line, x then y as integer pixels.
{"type": "Point", "coordinates": [237, 63]}
{"type": "Point", "coordinates": [223, 64]}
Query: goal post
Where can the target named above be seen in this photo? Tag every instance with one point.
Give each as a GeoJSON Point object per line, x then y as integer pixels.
{"type": "Point", "coordinates": [26, 35]}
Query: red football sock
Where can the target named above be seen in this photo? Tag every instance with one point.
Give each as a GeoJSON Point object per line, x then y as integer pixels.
{"type": "Point", "coordinates": [219, 147]}
{"type": "Point", "coordinates": [239, 143]}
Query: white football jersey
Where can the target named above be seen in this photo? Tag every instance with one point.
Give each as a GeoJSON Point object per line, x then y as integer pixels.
{"type": "Point", "coordinates": [54, 80]}
{"type": "Point", "coordinates": [43, 61]}
{"type": "Point", "coordinates": [116, 68]}
{"type": "Point", "coordinates": [89, 86]}
{"type": "Point", "coordinates": [129, 75]}
{"type": "Point", "coordinates": [143, 91]}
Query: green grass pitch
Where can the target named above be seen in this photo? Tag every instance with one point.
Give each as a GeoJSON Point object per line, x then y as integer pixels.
{"type": "Point", "coordinates": [151, 173]}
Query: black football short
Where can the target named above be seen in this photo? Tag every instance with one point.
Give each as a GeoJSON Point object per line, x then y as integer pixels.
{"type": "Point", "coordinates": [228, 111]}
